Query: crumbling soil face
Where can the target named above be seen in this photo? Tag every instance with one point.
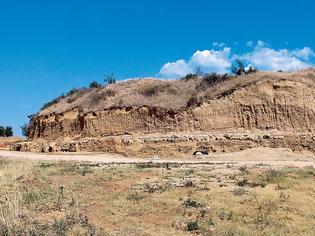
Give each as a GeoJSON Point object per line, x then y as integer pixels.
{"type": "Point", "coordinates": [176, 144]}
{"type": "Point", "coordinates": [260, 102]}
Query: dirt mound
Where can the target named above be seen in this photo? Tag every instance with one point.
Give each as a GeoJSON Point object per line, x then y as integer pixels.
{"type": "Point", "coordinates": [259, 101]}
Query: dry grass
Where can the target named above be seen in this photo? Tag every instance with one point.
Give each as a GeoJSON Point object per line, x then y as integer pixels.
{"type": "Point", "coordinates": [69, 198]}
{"type": "Point", "coordinates": [175, 94]}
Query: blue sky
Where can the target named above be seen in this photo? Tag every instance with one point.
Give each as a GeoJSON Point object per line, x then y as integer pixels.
{"type": "Point", "coordinates": [48, 47]}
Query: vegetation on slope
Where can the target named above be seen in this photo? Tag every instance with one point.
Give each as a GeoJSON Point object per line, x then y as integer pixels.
{"type": "Point", "coordinates": [191, 90]}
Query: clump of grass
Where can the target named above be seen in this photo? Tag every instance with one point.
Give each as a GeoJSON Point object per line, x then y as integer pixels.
{"type": "Point", "coordinates": [153, 90]}
{"type": "Point", "coordinates": [64, 226]}
{"type": "Point", "coordinates": [156, 187]}
{"type": "Point", "coordinates": [135, 197]}
{"type": "Point", "coordinates": [148, 165]}
{"type": "Point", "coordinates": [192, 203]}
{"type": "Point", "coordinates": [52, 102]}
{"type": "Point", "coordinates": [192, 226]}
{"type": "Point", "coordinates": [238, 191]}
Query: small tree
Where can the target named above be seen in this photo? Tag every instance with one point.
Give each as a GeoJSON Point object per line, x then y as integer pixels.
{"type": "Point", "coordinates": [110, 79]}
{"type": "Point", "coordinates": [238, 67]}
{"type": "Point", "coordinates": [8, 131]}
{"type": "Point", "coordinates": [198, 71]}
{"type": "Point", "coordinates": [25, 130]}
{"type": "Point", "coordinates": [2, 133]}
{"type": "Point", "coordinates": [251, 70]}
{"type": "Point", "coordinates": [94, 84]}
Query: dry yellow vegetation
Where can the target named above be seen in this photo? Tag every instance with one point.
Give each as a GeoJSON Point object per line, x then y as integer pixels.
{"type": "Point", "coordinates": [76, 198]}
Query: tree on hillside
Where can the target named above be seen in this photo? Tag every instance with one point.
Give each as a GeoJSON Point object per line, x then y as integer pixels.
{"type": "Point", "coordinates": [238, 67]}
{"type": "Point", "coordinates": [8, 131]}
{"type": "Point", "coordinates": [2, 131]}
{"type": "Point", "coordinates": [110, 79]}
{"type": "Point", "coordinates": [94, 84]}
{"type": "Point", "coordinates": [25, 130]}
{"type": "Point", "coordinates": [251, 70]}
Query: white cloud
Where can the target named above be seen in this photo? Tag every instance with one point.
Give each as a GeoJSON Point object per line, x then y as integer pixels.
{"type": "Point", "coordinates": [211, 60]}
{"type": "Point", "coordinates": [305, 53]}
{"type": "Point", "coordinates": [175, 69]}
{"type": "Point", "coordinates": [208, 61]}
{"type": "Point", "coordinates": [272, 60]}
{"type": "Point", "coordinates": [261, 56]}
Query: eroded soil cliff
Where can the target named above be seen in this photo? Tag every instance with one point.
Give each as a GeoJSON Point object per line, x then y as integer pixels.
{"type": "Point", "coordinates": [284, 102]}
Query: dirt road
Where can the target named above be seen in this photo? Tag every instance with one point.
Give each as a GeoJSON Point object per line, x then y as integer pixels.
{"type": "Point", "coordinates": [272, 157]}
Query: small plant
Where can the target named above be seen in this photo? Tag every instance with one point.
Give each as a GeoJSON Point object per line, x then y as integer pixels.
{"type": "Point", "coordinates": [194, 100]}
{"type": "Point", "coordinates": [94, 84]}
{"type": "Point", "coordinates": [110, 79]}
{"type": "Point", "coordinates": [238, 191]}
{"type": "Point", "coordinates": [189, 77]}
{"type": "Point", "coordinates": [244, 169]}
{"type": "Point", "coordinates": [72, 91]}
{"type": "Point", "coordinates": [52, 102]}
{"type": "Point", "coordinates": [192, 226]}
{"type": "Point", "coordinates": [191, 203]}
{"type": "Point", "coordinates": [152, 90]}
{"type": "Point", "coordinates": [156, 187]}
{"type": "Point", "coordinates": [251, 70]}
{"type": "Point", "coordinates": [273, 175]}
{"type": "Point", "coordinates": [135, 197]}
{"type": "Point", "coordinates": [103, 95]}
{"type": "Point", "coordinates": [238, 67]}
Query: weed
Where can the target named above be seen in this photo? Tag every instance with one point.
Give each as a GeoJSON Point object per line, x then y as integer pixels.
{"type": "Point", "coordinates": [192, 226]}
{"type": "Point", "coordinates": [191, 203]}
{"type": "Point", "coordinates": [135, 197]}
{"type": "Point", "coordinates": [238, 191]}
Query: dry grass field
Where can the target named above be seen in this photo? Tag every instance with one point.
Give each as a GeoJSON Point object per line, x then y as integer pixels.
{"type": "Point", "coordinates": [77, 198]}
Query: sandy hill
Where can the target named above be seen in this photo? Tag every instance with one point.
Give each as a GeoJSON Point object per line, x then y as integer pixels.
{"type": "Point", "coordinates": [256, 103]}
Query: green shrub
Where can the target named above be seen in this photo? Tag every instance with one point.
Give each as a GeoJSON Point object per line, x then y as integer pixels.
{"type": "Point", "coordinates": [94, 84]}
{"type": "Point", "coordinates": [6, 131]}
{"type": "Point", "coordinates": [191, 203]}
{"type": "Point", "coordinates": [251, 70]}
{"type": "Point", "coordinates": [71, 92]}
{"type": "Point", "coordinates": [192, 226]}
{"type": "Point", "coordinates": [25, 130]}
{"type": "Point", "coordinates": [135, 197]}
{"type": "Point", "coordinates": [110, 79]}
{"type": "Point", "coordinates": [238, 67]}
{"type": "Point", "coordinates": [189, 77]}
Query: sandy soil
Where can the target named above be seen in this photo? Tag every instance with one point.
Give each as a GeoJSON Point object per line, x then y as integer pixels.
{"type": "Point", "coordinates": [273, 157]}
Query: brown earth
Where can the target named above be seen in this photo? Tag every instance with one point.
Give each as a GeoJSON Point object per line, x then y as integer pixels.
{"type": "Point", "coordinates": [149, 116]}
{"type": "Point", "coordinates": [6, 143]}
